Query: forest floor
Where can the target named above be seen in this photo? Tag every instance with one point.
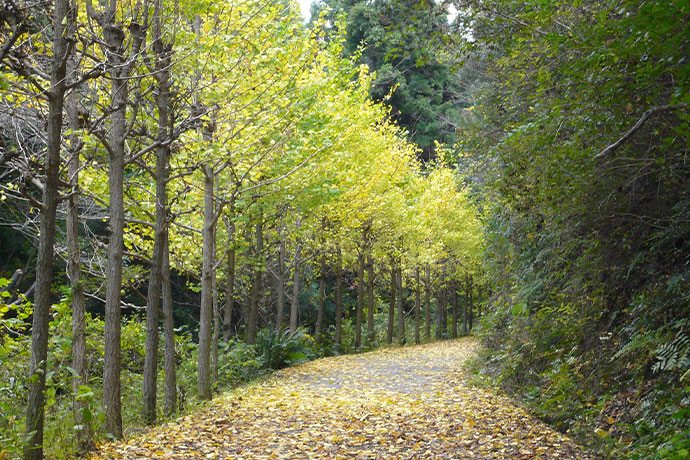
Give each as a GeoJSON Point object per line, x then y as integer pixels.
{"type": "Point", "coordinates": [393, 403]}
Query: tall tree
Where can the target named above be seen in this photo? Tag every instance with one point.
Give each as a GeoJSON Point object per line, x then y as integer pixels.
{"type": "Point", "coordinates": [44, 264]}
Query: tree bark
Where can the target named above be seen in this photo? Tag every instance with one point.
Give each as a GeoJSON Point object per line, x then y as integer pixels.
{"type": "Point", "coordinates": [391, 307]}
{"type": "Point", "coordinates": [427, 303]}
{"type": "Point", "coordinates": [417, 305]}
{"type": "Point", "coordinates": [33, 448]}
{"type": "Point", "coordinates": [216, 329]}
{"type": "Point", "coordinates": [253, 319]}
{"type": "Point", "coordinates": [439, 312]}
{"type": "Point", "coordinates": [280, 282]}
{"type": "Point", "coordinates": [79, 364]}
{"type": "Point", "coordinates": [162, 76]}
{"type": "Point", "coordinates": [318, 329]}
{"type": "Point", "coordinates": [470, 286]}
{"type": "Point", "coordinates": [466, 308]}
{"type": "Point", "coordinates": [294, 307]}
{"type": "Point", "coordinates": [371, 334]}
{"type": "Point", "coordinates": [401, 309]}
{"type": "Point", "coordinates": [206, 313]}
{"type": "Point", "coordinates": [338, 301]}
{"type": "Point", "coordinates": [360, 300]}
{"type": "Point", "coordinates": [170, 404]}
{"type": "Point", "coordinates": [454, 300]}
{"type": "Point", "coordinates": [230, 275]}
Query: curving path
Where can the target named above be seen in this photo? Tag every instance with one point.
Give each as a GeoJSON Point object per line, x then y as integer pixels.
{"type": "Point", "coordinates": [396, 403]}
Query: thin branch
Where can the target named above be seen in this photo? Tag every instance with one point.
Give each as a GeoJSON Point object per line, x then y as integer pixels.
{"type": "Point", "coordinates": [645, 116]}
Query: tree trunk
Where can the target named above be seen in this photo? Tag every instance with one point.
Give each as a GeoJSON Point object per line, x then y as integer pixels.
{"type": "Point", "coordinates": [417, 305]}
{"type": "Point", "coordinates": [33, 448]}
{"type": "Point", "coordinates": [206, 314]}
{"type": "Point", "coordinates": [170, 404]}
{"type": "Point", "coordinates": [444, 313]}
{"type": "Point", "coordinates": [216, 329]}
{"type": "Point", "coordinates": [280, 282]}
{"type": "Point", "coordinates": [371, 337]}
{"type": "Point", "coordinates": [230, 275]}
{"type": "Point", "coordinates": [294, 308]}
{"type": "Point", "coordinates": [79, 364]}
{"type": "Point", "coordinates": [439, 312]}
{"type": "Point", "coordinates": [318, 329]}
{"type": "Point", "coordinates": [470, 303]}
{"type": "Point", "coordinates": [360, 300]}
{"type": "Point", "coordinates": [454, 300]}
{"type": "Point", "coordinates": [118, 69]}
{"type": "Point", "coordinates": [338, 301]}
{"type": "Point", "coordinates": [466, 308]}
{"type": "Point", "coordinates": [161, 178]}
{"type": "Point", "coordinates": [427, 303]}
{"type": "Point", "coordinates": [253, 319]}
{"type": "Point", "coordinates": [401, 310]}
{"type": "Point", "coordinates": [391, 307]}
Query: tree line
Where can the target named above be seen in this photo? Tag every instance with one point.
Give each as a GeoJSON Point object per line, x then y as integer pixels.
{"type": "Point", "coordinates": [225, 144]}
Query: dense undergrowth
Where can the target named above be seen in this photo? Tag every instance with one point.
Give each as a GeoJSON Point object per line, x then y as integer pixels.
{"type": "Point", "coordinates": [238, 364]}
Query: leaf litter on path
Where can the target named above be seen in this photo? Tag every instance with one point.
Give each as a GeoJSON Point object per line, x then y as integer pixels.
{"type": "Point", "coordinates": [393, 403]}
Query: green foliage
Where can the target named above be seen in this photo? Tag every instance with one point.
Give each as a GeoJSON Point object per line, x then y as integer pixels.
{"type": "Point", "coordinates": [278, 349]}
{"type": "Point", "coordinates": [587, 256]}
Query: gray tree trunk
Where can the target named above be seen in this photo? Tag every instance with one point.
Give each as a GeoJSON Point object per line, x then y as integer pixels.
{"type": "Point", "coordinates": [401, 311]}
{"type": "Point", "coordinates": [338, 300]}
{"type": "Point", "coordinates": [33, 449]}
{"type": "Point", "coordinates": [454, 300]}
{"type": "Point", "coordinates": [318, 329]}
{"type": "Point", "coordinates": [417, 304]}
{"type": "Point", "coordinates": [153, 301]}
{"type": "Point", "coordinates": [85, 432]}
{"type": "Point", "coordinates": [360, 300]}
{"type": "Point", "coordinates": [427, 303]}
{"type": "Point", "coordinates": [253, 318]}
{"type": "Point", "coordinates": [170, 404]}
{"type": "Point", "coordinates": [391, 308]}
{"type": "Point", "coordinates": [280, 282]}
{"type": "Point", "coordinates": [294, 308]}
{"type": "Point", "coordinates": [230, 276]}
{"type": "Point", "coordinates": [216, 329]}
{"type": "Point", "coordinates": [371, 332]}
{"type": "Point", "coordinates": [206, 314]}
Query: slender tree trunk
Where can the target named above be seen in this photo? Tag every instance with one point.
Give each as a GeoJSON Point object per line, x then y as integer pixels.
{"type": "Point", "coordinates": [170, 404]}
{"type": "Point", "coordinates": [444, 313]}
{"type": "Point", "coordinates": [230, 276]}
{"type": "Point", "coordinates": [371, 334]}
{"type": "Point", "coordinates": [470, 287]}
{"type": "Point", "coordinates": [114, 37]}
{"type": "Point", "coordinates": [318, 330]}
{"type": "Point", "coordinates": [465, 309]}
{"type": "Point", "coordinates": [480, 300]}
{"type": "Point", "coordinates": [161, 177]}
{"type": "Point", "coordinates": [439, 312]}
{"type": "Point", "coordinates": [417, 304]}
{"type": "Point", "coordinates": [338, 301]}
{"type": "Point", "coordinates": [454, 300]}
{"type": "Point", "coordinates": [216, 329]}
{"type": "Point", "coordinates": [280, 282]}
{"type": "Point", "coordinates": [391, 307]}
{"type": "Point", "coordinates": [360, 300]}
{"type": "Point", "coordinates": [294, 308]}
{"type": "Point", "coordinates": [401, 309]}
{"type": "Point", "coordinates": [206, 314]}
{"type": "Point", "coordinates": [79, 364]}
{"type": "Point", "coordinates": [253, 320]}
{"type": "Point", "coordinates": [33, 448]}
{"type": "Point", "coordinates": [427, 303]}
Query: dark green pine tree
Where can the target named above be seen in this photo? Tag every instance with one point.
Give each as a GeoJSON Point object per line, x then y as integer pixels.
{"type": "Point", "coordinates": [406, 42]}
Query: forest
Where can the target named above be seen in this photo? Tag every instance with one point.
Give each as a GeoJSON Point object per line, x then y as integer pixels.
{"type": "Point", "coordinates": [196, 194]}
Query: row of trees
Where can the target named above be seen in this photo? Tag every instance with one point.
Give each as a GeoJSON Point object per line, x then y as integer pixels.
{"type": "Point", "coordinates": [223, 142]}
